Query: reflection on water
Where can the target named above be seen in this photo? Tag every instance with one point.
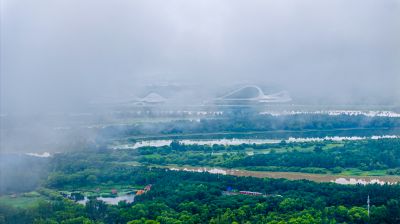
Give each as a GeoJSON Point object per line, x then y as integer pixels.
{"type": "Point", "coordinates": [129, 198]}
{"type": "Point", "coordinates": [43, 155]}
{"type": "Point", "coordinates": [159, 143]}
{"type": "Point", "coordinates": [369, 113]}
{"type": "Point", "coordinates": [233, 141]}
{"type": "Point", "coordinates": [203, 169]}
{"type": "Point", "coordinates": [353, 181]}
{"type": "Point", "coordinates": [295, 176]}
{"type": "Point", "coordinates": [236, 141]}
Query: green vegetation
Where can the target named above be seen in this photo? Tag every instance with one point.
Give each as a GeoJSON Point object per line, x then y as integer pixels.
{"type": "Point", "coordinates": [181, 197]}
{"type": "Point", "coordinates": [102, 189]}
{"type": "Point", "coordinates": [365, 157]}
{"type": "Point", "coordinates": [235, 122]}
{"type": "Point", "coordinates": [24, 200]}
{"type": "Point", "coordinates": [191, 197]}
{"type": "Point", "coordinates": [55, 184]}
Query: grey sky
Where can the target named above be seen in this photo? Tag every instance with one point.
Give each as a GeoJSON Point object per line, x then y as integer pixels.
{"type": "Point", "coordinates": [67, 51]}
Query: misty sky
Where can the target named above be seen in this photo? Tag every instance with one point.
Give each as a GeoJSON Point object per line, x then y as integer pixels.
{"type": "Point", "coordinates": [67, 51]}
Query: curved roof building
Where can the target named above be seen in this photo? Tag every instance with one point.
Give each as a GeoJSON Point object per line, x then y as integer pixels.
{"type": "Point", "coordinates": [253, 94]}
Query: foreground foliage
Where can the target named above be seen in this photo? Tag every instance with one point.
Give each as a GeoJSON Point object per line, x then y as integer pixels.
{"type": "Point", "coordinates": [186, 197]}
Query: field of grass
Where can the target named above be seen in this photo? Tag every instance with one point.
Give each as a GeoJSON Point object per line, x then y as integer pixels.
{"type": "Point", "coordinates": [298, 148]}
{"type": "Point", "coordinates": [357, 172]}
{"type": "Point", "coordinates": [22, 200]}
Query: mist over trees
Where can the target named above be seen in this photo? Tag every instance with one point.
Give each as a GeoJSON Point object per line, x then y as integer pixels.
{"type": "Point", "coordinates": [98, 97]}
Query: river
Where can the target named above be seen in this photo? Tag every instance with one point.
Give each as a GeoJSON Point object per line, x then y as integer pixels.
{"type": "Point", "coordinates": [129, 198]}
{"type": "Point", "coordinates": [240, 141]}
{"type": "Point", "coordinates": [339, 179]}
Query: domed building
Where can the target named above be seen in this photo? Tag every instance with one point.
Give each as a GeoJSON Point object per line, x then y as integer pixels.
{"type": "Point", "coordinates": [252, 94]}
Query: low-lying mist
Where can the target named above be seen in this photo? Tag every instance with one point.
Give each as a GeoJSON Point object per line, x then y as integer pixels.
{"type": "Point", "coordinates": [71, 68]}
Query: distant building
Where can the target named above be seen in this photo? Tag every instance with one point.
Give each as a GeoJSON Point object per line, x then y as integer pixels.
{"type": "Point", "coordinates": [252, 94]}
{"type": "Point", "coordinates": [140, 192]}
{"type": "Point", "coordinates": [145, 190]}
{"type": "Point", "coordinates": [152, 98]}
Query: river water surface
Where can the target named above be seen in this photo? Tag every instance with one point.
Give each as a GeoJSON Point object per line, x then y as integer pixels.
{"type": "Point", "coordinates": [339, 179]}
{"type": "Point", "coordinates": [240, 141]}
{"type": "Point", "coordinates": [129, 198]}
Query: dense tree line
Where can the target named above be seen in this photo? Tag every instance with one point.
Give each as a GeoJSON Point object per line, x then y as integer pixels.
{"type": "Point", "coordinates": [180, 197]}
{"type": "Point", "coordinates": [190, 197]}
{"type": "Point", "coordinates": [367, 155]}
{"type": "Point", "coordinates": [254, 122]}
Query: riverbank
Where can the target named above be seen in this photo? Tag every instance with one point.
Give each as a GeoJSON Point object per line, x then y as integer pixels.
{"type": "Point", "coordinates": [334, 178]}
